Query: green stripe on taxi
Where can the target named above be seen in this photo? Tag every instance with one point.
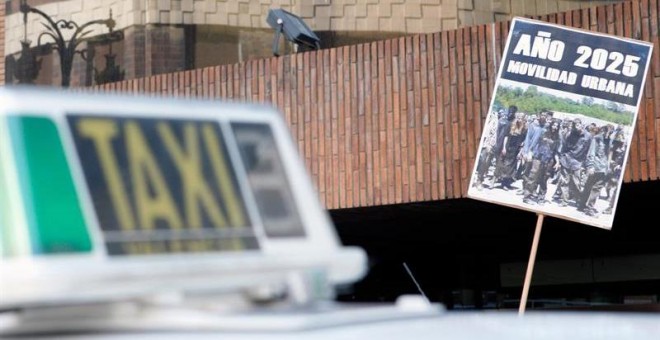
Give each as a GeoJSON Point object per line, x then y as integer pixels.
{"type": "Point", "coordinates": [54, 215]}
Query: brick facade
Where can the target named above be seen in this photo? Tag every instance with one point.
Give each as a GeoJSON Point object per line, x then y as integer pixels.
{"type": "Point", "coordinates": [390, 121]}
{"type": "Point", "coordinates": [401, 16]}
{"type": "Point", "coordinates": [165, 49]}
{"type": "Point", "coordinates": [133, 61]}
{"type": "Point", "coordinates": [171, 35]}
{"type": "Point", "coordinates": [399, 120]}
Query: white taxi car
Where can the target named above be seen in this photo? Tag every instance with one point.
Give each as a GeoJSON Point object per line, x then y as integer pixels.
{"type": "Point", "coordinates": [153, 218]}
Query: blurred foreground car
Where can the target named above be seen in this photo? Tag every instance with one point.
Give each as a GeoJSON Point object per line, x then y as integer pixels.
{"type": "Point", "coordinates": [153, 218]}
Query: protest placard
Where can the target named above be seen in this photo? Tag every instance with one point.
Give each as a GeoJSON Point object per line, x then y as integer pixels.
{"type": "Point", "coordinates": [557, 133]}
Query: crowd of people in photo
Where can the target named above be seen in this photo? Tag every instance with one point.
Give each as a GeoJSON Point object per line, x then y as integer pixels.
{"type": "Point", "coordinates": [581, 159]}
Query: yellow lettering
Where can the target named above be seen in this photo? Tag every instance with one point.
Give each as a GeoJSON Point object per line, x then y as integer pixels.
{"type": "Point", "coordinates": [176, 246]}
{"type": "Point", "coordinates": [233, 243]}
{"type": "Point", "coordinates": [129, 248]}
{"type": "Point", "coordinates": [237, 244]}
{"type": "Point", "coordinates": [144, 171]}
{"type": "Point", "coordinates": [208, 245]}
{"type": "Point", "coordinates": [139, 248]}
{"type": "Point", "coordinates": [195, 246]}
{"type": "Point", "coordinates": [102, 131]}
{"type": "Point", "coordinates": [188, 164]}
{"type": "Point", "coordinates": [221, 172]}
{"type": "Point", "coordinates": [159, 247]}
{"type": "Point", "coordinates": [146, 248]}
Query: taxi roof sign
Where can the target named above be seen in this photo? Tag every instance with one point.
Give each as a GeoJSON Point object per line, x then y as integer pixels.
{"type": "Point", "coordinates": [106, 195]}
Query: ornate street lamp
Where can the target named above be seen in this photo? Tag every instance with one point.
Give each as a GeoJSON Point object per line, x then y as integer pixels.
{"type": "Point", "coordinates": [27, 66]}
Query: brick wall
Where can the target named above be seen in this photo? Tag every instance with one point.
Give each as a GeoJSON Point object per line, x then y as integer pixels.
{"type": "Point", "coordinates": [399, 120]}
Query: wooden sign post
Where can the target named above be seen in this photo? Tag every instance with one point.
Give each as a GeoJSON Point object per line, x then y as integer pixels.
{"type": "Point", "coordinates": [530, 265]}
